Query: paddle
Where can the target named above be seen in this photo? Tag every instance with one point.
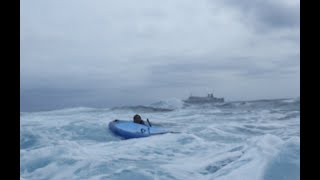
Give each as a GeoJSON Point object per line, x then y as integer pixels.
{"type": "Point", "coordinates": [169, 132]}
{"type": "Point", "coordinates": [173, 132]}
{"type": "Point", "coordinates": [149, 122]}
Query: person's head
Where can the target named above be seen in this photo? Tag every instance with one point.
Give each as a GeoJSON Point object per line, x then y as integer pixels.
{"type": "Point", "coordinates": [137, 118]}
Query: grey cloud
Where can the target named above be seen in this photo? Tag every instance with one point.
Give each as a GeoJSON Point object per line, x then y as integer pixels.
{"type": "Point", "coordinates": [267, 14]}
{"type": "Point", "coordinates": [106, 53]}
{"type": "Point", "coordinates": [212, 64]}
{"type": "Point", "coordinates": [224, 71]}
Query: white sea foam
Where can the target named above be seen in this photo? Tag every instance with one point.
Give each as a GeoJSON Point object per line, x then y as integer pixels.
{"type": "Point", "coordinates": [253, 142]}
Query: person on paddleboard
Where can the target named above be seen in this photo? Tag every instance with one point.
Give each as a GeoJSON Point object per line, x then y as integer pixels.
{"type": "Point", "coordinates": [137, 119]}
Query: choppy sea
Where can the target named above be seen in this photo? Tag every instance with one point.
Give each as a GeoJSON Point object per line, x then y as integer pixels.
{"type": "Point", "coordinates": [245, 140]}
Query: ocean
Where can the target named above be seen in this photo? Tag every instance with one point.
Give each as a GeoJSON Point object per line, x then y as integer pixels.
{"type": "Point", "coordinates": [244, 140]}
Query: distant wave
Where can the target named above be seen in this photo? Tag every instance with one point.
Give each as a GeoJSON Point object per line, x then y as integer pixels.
{"type": "Point", "coordinates": [172, 103]}
{"type": "Point", "coordinates": [64, 111]}
{"type": "Point", "coordinates": [289, 100]}
{"type": "Point", "coordinates": [160, 106]}
{"type": "Point", "coordinates": [141, 108]}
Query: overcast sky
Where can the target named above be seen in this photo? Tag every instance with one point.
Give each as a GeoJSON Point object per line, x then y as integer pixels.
{"type": "Point", "coordinates": [105, 53]}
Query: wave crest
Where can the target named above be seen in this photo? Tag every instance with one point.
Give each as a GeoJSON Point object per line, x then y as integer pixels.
{"type": "Point", "coordinates": [172, 104]}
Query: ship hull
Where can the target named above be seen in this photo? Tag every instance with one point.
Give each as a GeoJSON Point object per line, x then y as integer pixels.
{"type": "Point", "coordinates": [199, 101]}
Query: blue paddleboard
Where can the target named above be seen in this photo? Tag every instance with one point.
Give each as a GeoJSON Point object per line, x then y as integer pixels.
{"type": "Point", "coordinates": [129, 129]}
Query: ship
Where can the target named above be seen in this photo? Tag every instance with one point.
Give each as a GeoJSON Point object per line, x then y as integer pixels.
{"type": "Point", "coordinates": [199, 100]}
